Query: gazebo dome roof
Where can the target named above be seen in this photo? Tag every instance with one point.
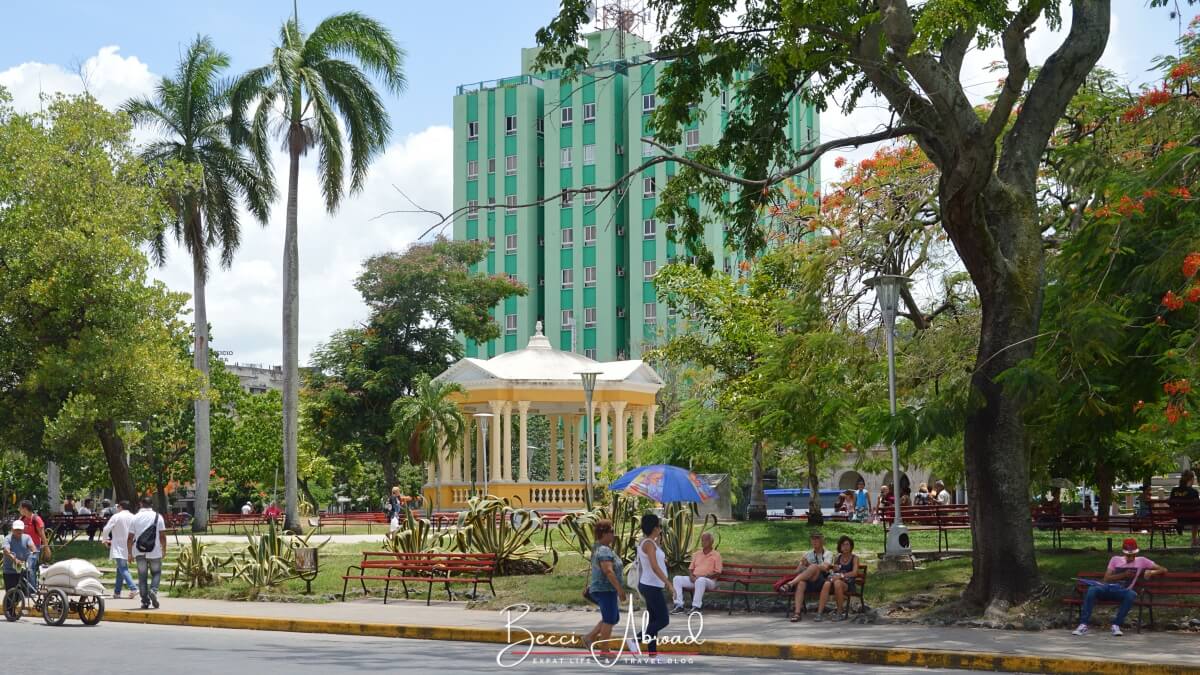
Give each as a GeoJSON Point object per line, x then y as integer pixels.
{"type": "Point", "coordinates": [539, 361]}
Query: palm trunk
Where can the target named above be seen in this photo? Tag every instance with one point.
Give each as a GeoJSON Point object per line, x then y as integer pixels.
{"type": "Point", "coordinates": [291, 329]}
{"type": "Point", "coordinates": [114, 456]}
{"type": "Point", "coordinates": [758, 497]}
{"type": "Point", "coordinates": [389, 468]}
{"type": "Point", "coordinates": [203, 458]}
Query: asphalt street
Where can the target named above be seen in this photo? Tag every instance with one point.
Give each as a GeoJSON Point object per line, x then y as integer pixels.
{"type": "Point", "coordinates": [114, 647]}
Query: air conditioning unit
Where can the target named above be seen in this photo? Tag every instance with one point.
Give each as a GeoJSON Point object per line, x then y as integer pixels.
{"type": "Point", "coordinates": [620, 271]}
{"type": "Point", "coordinates": [620, 149]}
{"type": "Point", "coordinates": [620, 312]}
{"type": "Point", "coordinates": [541, 241]}
{"type": "Point", "coordinates": [541, 281]}
{"type": "Point", "coordinates": [620, 231]}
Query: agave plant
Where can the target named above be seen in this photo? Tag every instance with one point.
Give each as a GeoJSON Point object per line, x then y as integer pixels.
{"type": "Point", "coordinates": [196, 568]}
{"type": "Point", "coordinates": [269, 560]}
{"type": "Point", "coordinates": [487, 526]}
{"type": "Point", "coordinates": [577, 529]}
{"type": "Point", "coordinates": [417, 536]}
{"type": "Point", "coordinates": [680, 535]}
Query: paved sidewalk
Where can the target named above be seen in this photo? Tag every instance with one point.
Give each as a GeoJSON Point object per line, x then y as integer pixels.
{"type": "Point", "coordinates": [1174, 650]}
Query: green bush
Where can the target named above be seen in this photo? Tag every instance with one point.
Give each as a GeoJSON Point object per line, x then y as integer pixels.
{"type": "Point", "coordinates": [487, 527]}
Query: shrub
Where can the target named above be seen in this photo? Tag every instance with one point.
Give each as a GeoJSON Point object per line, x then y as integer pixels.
{"type": "Point", "coordinates": [269, 560]}
{"type": "Point", "coordinates": [623, 511]}
{"type": "Point", "coordinates": [196, 568]}
{"type": "Point", "coordinates": [487, 527]}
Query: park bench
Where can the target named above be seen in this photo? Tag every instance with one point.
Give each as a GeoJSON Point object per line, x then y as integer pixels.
{"type": "Point", "coordinates": [235, 520]}
{"type": "Point", "coordinates": [1186, 512]}
{"type": "Point", "coordinates": [63, 525]}
{"type": "Point", "coordinates": [426, 568]}
{"type": "Point", "coordinates": [916, 518]}
{"type": "Point", "coordinates": [1173, 589]}
{"type": "Point", "coordinates": [367, 518]}
{"type": "Point", "coordinates": [741, 580]}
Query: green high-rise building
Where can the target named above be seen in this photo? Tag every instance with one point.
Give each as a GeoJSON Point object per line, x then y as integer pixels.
{"type": "Point", "coordinates": [589, 261]}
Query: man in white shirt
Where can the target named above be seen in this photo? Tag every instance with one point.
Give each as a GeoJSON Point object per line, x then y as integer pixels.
{"type": "Point", "coordinates": [942, 494]}
{"type": "Point", "coordinates": [115, 536]}
{"type": "Point", "coordinates": [149, 563]}
{"type": "Point", "coordinates": [247, 509]}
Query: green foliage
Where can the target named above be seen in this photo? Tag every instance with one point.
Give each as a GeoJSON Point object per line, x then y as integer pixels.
{"type": "Point", "coordinates": [196, 568]}
{"type": "Point", "coordinates": [416, 536]}
{"type": "Point", "coordinates": [680, 536]}
{"type": "Point", "coordinates": [703, 438]}
{"type": "Point", "coordinates": [269, 559]}
{"type": "Point", "coordinates": [428, 419]}
{"type": "Point", "coordinates": [487, 527]}
{"type": "Point", "coordinates": [577, 528]}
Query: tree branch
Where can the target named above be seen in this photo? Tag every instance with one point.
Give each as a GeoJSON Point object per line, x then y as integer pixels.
{"type": "Point", "coordinates": [1013, 41]}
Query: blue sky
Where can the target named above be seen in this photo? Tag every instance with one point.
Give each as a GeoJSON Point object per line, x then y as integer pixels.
{"type": "Point", "coordinates": [125, 47]}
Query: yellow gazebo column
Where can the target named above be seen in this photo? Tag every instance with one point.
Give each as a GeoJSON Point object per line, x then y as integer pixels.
{"type": "Point", "coordinates": [619, 432]}
{"type": "Point", "coordinates": [650, 420]}
{"type": "Point", "coordinates": [603, 440]}
{"type": "Point", "coordinates": [553, 449]}
{"type": "Point", "coordinates": [523, 443]}
{"type": "Point", "coordinates": [494, 474]}
{"type": "Point", "coordinates": [639, 416]}
{"type": "Point", "coordinates": [506, 454]}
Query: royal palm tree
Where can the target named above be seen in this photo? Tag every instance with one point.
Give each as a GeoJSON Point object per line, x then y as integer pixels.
{"type": "Point", "coordinates": [427, 421]}
{"type": "Point", "coordinates": [301, 95]}
{"type": "Point", "coordinates": [191, 112]}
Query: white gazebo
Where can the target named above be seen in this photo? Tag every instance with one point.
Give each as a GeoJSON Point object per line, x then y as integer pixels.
{"type": "Point", "coordinates": [541, 380]}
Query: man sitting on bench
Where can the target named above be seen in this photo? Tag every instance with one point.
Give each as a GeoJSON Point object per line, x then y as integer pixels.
{"type": "Point", "coordinates": [702, 575]}
{"type": "Point", "coordinates": [1119, 579]}
{"type": "Point", "coordinates": [810, 574]}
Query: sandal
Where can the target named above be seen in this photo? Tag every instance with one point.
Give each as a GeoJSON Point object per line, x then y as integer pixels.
{"type": "Point", "coordinates": [786, 588]}
{"type": "Point", "coordinates": [793, 617]}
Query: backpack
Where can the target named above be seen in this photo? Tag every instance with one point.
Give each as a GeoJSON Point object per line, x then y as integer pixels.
{"type": "Point", "coordinates": [147, 540]}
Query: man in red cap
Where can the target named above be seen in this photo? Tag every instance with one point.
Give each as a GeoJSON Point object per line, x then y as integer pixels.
{"type": "Point", "coordinates": [1122, 575]}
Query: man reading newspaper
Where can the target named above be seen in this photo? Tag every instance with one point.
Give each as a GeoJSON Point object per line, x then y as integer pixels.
{"type": "Point", "coordinates": [1123, 573]}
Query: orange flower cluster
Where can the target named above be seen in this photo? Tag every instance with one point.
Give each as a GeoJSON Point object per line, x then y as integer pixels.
{"type": "Point", "coordinates": [867, 164]}
{"type": "Point", "coordinates": [1177, 387]}
{"type": "Point", "coordinates": [1193, 294]}
{"type": "Point", "coordinates": [1155, 97]}
{"type": "Point", "coordinates": [1175, 413]}
{"type": "Point", "coordinates": [1181, 192]}
{"type": "Point", "coordinates": [1172, 302]}
{"type": "Point", "coordinates": [1135, 114]}
{"type": "Point", "coordinates": [839, 162]}
{"type": "Point", "coordinates": [1184, 70]}
{"type": "Point", "coordinates": [1191, 264]}
{"type": "Point", "coordinates": [1127, 206]}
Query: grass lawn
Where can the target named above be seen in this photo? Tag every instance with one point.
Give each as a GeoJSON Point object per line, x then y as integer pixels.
{"type": "Point", "coordinates": [777, 542]}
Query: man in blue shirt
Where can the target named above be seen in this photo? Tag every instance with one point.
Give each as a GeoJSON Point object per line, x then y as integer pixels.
{"type": "Point", "coordinates": [17, 547]}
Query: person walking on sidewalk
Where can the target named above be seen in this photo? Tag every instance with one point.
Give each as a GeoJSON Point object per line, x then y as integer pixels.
{"type": "Point", "coordinates": [394, 507]}
{"type": "Point", "coordinates": [652, 580]}
{"type": "Point", "coordinates": [148, 550]}
{"type": "Point", "coordinates": [115, 535]}
{"type": "Point", "coordinates": [604, 586]}
{"type": "Point", "coordinates": [1122, 575]}
{"type": "Point", "coordinates": [702, 575]}
{"type": "Point", "coordinates": [36, 529]}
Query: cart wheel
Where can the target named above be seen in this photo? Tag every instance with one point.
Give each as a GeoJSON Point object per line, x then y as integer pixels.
{"type": "Point", "coordinates": [14, 604]}
{"type": "Point", "coordinates": [91, 609]}
{"type": "Point", "coordinates": [54, 607]}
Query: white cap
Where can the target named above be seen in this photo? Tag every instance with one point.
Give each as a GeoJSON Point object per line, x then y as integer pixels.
{"type": "Point", "coordinates": [18, 525]}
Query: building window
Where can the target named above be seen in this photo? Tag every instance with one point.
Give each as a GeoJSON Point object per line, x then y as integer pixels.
{"type": "Point", "coordinates": [510, 242]}
{"type": "Point", "coordinates": [568, 115]}
{"type": "Point", "coordinates": [590, 353]}
{"type": "Point", "coordinates": [647, 103]}
{"type": "Point", "coordinates": [724, 100]}
{"type": "Point", "coordinates": [589, 276]}
{"type": "Point", "coordinates": [568, 237]}
{"type": "Point", "coordinates": [648, 149]}
{"type": "Point", "coordinates": [568, 318]}
{"type": "Point", "coordinates": [472, 169]}
{"type": "Point", "coordinates": [566, 158]}
{"type": "Point", "coordinates": [510, 204]}
{"type": "Point", "coordinates": [589, 112]}
{"type": "Point", "coordinates": [472, 131]}
{"type": "Point", "coordinates": [589, 196]}
{"type": "Point", "coordinates": [540, 125]}
{"type": "Point", "coordinates": [649, 268]}
{"type": "Point", "coordinates": [650, 309]}
{"type": "Point", "coordinates": [691, 139]}
{"type": "Point", "coordinates": [472, 208]}
{"type": "Point", "coordinates": [491, 165]}
{"type": "Point", "coordinates": [510, 165]}
{"type": "Point", "coordinates": [510, 323]}
{"type": "Point", "coordinates": [589, 234]}
{"type": "Point", "coordinates": [491, 243]}
{"type": "Point", "coordinates": [589, 154]}
{"type": "Point", "coordinates": [568, 278]}
{"type": "Point", "coordinates": [491, 202]}
{"type": "Point", "coordinates": [566, 199]}
{"type": "Point", "coordinates": [649, 228]}
{"type": "Point", "coordinates": [510, 125]}
{"type": "Point", "coordinates": [589, 317]}
{"type": "Point", "coordinates": [649, 187]}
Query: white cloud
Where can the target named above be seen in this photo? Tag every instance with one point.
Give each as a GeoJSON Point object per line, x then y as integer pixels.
{"type": "Point", "coordinates": [244, 301]}
{"type": "Point", "coordinates": [107, 75]}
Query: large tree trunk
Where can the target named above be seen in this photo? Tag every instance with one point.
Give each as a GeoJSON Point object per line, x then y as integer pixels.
{"type": "Point", "coordinates": [291, 329]}
{"type": "Point", "coordinates": [114, 456]}
{"type": "Point", "coordinates": [758, 497]}
{"type": "Point", "coordinates": [389, 468]}
{"type": "Point", "coordinates": [1104, 483]}
{"type": "Point", "coordinates": [203, 457]}
{"type": "Point", "coordinates": [815, 516]}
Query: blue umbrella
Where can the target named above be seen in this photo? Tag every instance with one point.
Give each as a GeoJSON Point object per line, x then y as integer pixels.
{"type": "Point", "coordinates": [664, 484]}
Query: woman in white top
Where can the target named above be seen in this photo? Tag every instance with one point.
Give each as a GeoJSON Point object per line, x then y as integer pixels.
{"type": "Point", "coordinates": [653, 581]}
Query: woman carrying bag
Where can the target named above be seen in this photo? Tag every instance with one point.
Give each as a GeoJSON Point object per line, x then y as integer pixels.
{"type": "Point", "coordinates": [604, 586]}
{"type": "Point", "coordinates": [653, 581]}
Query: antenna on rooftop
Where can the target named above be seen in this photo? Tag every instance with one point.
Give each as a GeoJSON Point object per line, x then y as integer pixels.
{"type": "Point", "coordinates": [626, 15]}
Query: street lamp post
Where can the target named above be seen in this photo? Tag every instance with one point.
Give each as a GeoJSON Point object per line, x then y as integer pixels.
{"type": "Point", "coordinates": [589, 386]}
{"type": "Point", "coordinates": [887, 291]}
{"type": "Point", "coordinates": [483, 423]}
